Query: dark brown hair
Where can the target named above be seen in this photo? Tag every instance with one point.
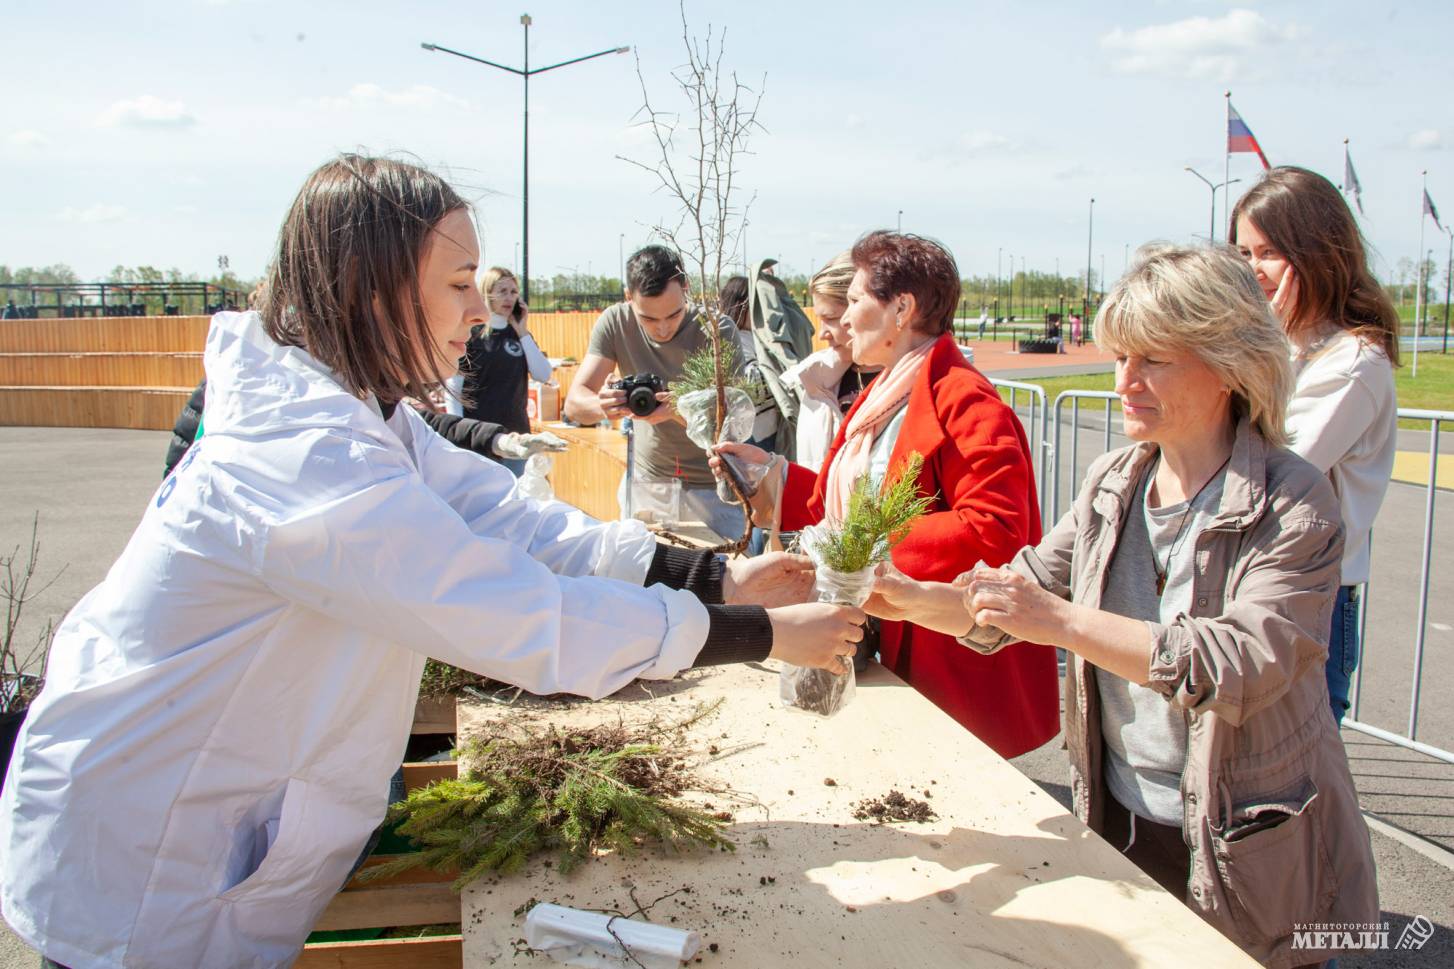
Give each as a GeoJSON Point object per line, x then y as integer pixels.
{"type": "Point", "coordinates": [345, 283]}
{"type": "Point", "coordinates": [732, 301]}
{"type": "Point", "coordinates": [1306, 219]}
{"type": "Point", "coordinates": [898, 263]}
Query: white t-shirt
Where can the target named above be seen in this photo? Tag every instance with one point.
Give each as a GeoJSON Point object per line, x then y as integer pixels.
{"type": "Point", "coordinates": [1343, 419]}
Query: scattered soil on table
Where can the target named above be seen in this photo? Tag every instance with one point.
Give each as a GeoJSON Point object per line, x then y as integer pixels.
{"type": "Point", "coordinates": [893, 806]}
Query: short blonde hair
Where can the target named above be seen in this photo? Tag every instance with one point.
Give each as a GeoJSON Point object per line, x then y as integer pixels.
{"type": "Point", "coordinates": [1204, 300]}
{"type": "Point", "coordinates": [831, 282]}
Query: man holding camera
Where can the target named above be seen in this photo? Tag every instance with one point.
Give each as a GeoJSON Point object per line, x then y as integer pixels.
{"type": "Point", "coordinates": [651, 334]}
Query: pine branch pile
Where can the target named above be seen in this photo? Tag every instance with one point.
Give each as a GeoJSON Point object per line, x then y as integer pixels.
{"type": "Point", "coordinates": [875, 521]}
{"type": "Point", "coordinates": [570, 791]}
{"type": "Point", "coordinates": [442, 680]}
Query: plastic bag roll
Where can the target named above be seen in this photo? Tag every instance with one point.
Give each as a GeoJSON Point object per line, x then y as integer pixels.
{"type": "Point", "coordinates": [579, 938]}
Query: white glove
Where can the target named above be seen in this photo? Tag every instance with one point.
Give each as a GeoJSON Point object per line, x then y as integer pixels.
{"type": "Point", "coordinates": [513, 445]}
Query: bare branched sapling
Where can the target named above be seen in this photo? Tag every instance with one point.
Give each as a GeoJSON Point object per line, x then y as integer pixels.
{"type": "Point", "coordinates": [697, 165]}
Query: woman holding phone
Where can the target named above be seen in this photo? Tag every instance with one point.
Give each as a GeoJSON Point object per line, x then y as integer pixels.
{"type": "Point", "coordinates": [500, 359]}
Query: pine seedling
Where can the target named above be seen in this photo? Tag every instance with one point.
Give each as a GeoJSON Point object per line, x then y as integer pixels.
{"type": "Point", "coordinates": [699, 370]}
{"type": "Point", "coordinates": [875, 521]}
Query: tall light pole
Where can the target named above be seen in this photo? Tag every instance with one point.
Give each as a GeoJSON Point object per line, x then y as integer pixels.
{"type": "Point", "coordinates": [999, 257]}
{"type": "Point", "coordinates": [901, 221]}
{"type": "Point", "coordinates": [1212, 229]}
{"type": "Point", "coordinates": [525, 74]}
{"type": "Point", "coordinates": [621, 258]}
{"type": "Point", "coordinates": [1089, 235]}
{"type": "Point", "coordinates": [1024, 285]}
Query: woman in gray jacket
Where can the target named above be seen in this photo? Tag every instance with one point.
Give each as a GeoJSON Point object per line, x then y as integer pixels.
{"type": "Point", "coordinates": [1192, 584]}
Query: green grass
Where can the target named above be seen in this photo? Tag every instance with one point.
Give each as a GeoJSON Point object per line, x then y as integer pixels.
{"type": "Point", "coordinates": [1433, 389]}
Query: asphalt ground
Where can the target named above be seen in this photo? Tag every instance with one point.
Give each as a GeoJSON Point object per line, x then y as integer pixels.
{"type": "Point", "coordinates": [89, 487]}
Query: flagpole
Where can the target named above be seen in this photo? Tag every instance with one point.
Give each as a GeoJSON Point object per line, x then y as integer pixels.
{"type": "Point", "coordinates": [1347, 164]}
{"type": "Point", "coordinates": [1419, 297]}
{"type": "Point", "coordinates": [1226, 168]}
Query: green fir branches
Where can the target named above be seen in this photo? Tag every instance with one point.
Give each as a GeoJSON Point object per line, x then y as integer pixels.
{"type": "Point", "coordinates": [574, 792]}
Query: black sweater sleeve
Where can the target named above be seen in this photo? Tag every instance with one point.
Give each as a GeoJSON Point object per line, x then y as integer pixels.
{"type": "Point", "coordinates": [737, 634]}
{"type": "Point", "coordinates": [463, 432]}
{"type": "Point", "coordinates": [696, 571]}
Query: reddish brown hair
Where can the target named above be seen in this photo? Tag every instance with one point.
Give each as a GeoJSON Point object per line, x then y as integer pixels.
{"type": "Point", "coordinates": [345, 283]}
{"type": "Point", "coordinates": [899, 264]}
{"type": "Point", "coordinates": [1306, 219]}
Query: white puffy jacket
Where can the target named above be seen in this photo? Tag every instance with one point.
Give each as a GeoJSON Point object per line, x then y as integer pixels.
{"type": "Point", "coordinates": [223, 712]}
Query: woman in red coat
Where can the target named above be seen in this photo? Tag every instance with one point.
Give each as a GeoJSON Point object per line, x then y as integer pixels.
{"type": "Point", "coordinates": [976, 462]}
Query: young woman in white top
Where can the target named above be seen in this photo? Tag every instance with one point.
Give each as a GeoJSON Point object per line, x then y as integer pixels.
{"type": "Point", "coordinates": [1300, 238]}
{"type": "Point", "coordinates": [222, 714]}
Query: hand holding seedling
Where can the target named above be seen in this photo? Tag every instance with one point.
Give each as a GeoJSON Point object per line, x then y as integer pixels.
{"type": "Point", "coordinates": [816, 634]}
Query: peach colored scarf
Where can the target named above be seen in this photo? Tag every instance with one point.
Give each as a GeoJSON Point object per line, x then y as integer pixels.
{"type": "Point", "coordinates": [886, 395]}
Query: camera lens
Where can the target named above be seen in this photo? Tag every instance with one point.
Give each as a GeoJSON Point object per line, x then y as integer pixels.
{"type": "Point", "coordinates": [641, 401]}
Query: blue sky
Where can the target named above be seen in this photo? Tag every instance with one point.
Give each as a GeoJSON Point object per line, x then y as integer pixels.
{"type": "Point", "coordinates": [174, 131]}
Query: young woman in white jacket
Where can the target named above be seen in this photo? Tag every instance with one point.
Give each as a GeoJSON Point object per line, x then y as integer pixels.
{"type": "Point", "coordinates": [222, 714]}
{"type": "Point", "coordinates": [827, 381]}
{"type": "Point", "coordinates": [1300, 238]}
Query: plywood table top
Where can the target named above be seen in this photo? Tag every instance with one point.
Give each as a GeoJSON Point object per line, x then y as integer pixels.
{"type": "Point", "coordinates": [1003, 876]}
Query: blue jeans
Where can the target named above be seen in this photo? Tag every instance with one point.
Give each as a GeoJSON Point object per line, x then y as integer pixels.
{"type": "Point", "coordinates": [1343, 649]}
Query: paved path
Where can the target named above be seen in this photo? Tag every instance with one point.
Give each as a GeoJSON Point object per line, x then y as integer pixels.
{"type": "Point", "coordinates": [90, 487]}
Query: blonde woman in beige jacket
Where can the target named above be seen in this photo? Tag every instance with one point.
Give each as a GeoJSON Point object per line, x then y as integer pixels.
{"type": "Point", "coordinates": [1192, 584]}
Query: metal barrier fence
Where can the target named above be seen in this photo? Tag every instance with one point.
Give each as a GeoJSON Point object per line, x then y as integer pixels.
{"type": "Point", "coordinates": [1042, 455]}
{"type": "Point", "coordinates": [1437, 420]}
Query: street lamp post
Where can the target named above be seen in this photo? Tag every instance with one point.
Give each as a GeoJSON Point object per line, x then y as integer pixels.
{"type": "Point", "coordinates": [1212, 228]}
{"type": "Point", "coordinates": [999, 271]}
{"type": "Point", "coordinates": [1089, 235]}
{"type": "Point", "coordinates": [621, 258]}
{"type": "Point", "coordinates": [1024, 286]}
{"type": "Point", "coordinates": [901, 221]}
{"type": "Point", "coordinates": [525, 74]}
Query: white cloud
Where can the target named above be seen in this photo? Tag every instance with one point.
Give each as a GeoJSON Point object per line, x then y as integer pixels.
{"type": "Point", "coordinates": [147, 111]}
{"type": "Point", "coordinates": [1197, 47]}
{"type": "Point", "coordinates": [981, 142]}
{"type": "Point", "coordinates": [418, 96]}
{"type": "Point", "coordinates": [100, 212]}
{"type": "Point", "coordinates": [1429, 139]}
{"type": "Point", "coordinates": [27, 138]}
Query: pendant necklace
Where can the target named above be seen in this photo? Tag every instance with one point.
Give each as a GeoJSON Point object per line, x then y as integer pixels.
{"type": "Point", "coordinates": [1186, 516]}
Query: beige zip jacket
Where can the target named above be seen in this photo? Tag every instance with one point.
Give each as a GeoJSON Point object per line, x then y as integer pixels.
{"type": "Point", "coordinates": [1270, 812]}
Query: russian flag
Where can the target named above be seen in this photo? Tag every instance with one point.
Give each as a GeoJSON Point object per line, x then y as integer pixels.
{"type": "Point", "coordinates": [1240, 137]}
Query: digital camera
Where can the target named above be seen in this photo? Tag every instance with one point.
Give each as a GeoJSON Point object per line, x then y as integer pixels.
{"type": "Point", "coordinates": [641, 390]}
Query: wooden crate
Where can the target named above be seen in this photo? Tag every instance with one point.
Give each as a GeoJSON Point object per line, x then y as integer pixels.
{"type": "Point", "coordinates": [418, 897]}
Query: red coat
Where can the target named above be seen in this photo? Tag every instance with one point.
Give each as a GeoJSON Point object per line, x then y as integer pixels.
{"type": "Point", "coordinates": [977, 461]}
